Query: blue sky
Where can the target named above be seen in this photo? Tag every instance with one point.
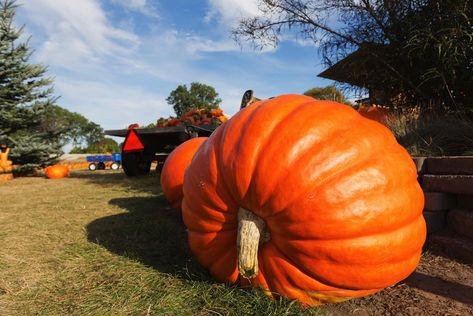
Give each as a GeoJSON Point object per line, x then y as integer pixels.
{"type": "Point", "coordinates": [116, 61]}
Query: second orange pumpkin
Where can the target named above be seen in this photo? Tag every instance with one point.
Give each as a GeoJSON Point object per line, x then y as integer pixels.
{"type": "Point", "coordinates": [172, 175]}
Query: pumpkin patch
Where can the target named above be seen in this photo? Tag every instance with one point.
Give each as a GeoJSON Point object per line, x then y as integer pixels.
{"type": "Point", "coordinates": [304, 198]}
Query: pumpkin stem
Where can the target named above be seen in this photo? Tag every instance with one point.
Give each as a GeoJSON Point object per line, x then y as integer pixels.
{"type": "Point", "coordinates": [252, 231]}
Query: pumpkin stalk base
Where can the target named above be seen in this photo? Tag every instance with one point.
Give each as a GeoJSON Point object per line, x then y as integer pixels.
{"type": "Point", "coordinates": [252, 231]}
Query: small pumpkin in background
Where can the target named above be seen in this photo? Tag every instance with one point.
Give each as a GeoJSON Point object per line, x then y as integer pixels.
{"type": "Point", "coordinates": [56, 171]}
{"type": "Point", "coordinates": [172, 174]}
{"type": "Point", "coordinates": [380, 114]}
{"type": "Point", "coordinates": [304, 198]}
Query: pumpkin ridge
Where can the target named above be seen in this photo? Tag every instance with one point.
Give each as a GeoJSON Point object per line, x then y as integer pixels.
{"type": "Point", "coordinates": [260, 110]}
{"type": "Point", "coordinates": [302, 156]}
{"type": "Point", "coordinates": [347, 235]}
{"type": "Point", "coordinates": [304, 271]}
{"type": "Point", "coordinates": [411, 226]}
{"type": "Point", "coordinates": [220, 260]}
{"type": "Point", "coordinates": [328, 181]}
{"type": "Point", "coordinates": [214, 225]}
{"type": "Point", "coordinates": [350, 122]}
{"type": "Point", "coordinates": [209, 207]}
{"type": "Point", "coordinates": [219, 143]}
{"type": "Point", "coordinates": [208, 153]}
{"type": "Point", "coordinates": [304, 274]}
{"type": "Point", "coordinates": [319, 277]}
{"type": "Point", "coordinates": [313, 289]}
{"type": "Point", "coordinates": [211, 254]}
{"type": "Point", "coordinates": [355, 165]}
{"type": "Point", "coordinates": [399, 265]}
{"type": "Point", "coordinates": [216, 148]}
{"type": "Point", "coordinates": [387, 192]}
{"type": "Point", "coordinates": [384, 230]}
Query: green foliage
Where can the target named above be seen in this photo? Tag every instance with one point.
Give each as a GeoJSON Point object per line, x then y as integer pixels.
{"type": "Point", "coordinates": [440, 51]}
{"type": "Point", "coordinates": [327, 93]}
{"type": "Point", "coordinates": [199, 96]}
{"type": "Point", "coordinates": [71, 127]}
{"type": "Point", "coordinates": [25, 96]}
{"type": "Point", "coordinates": [106, 145]}
{"type": "Point", "coordinates": [422, 49]}
{"type": "Point", "coordinates": [150, 125]}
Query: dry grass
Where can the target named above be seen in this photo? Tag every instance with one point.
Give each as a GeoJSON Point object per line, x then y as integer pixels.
{"type": "Point", "coordinates": [432, 135]}
{"type": "Point", "coordinates": [103, 244]}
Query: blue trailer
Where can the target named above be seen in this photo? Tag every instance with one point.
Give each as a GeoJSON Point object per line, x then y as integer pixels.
{"type": "Point", "coordinates": [101, 161]}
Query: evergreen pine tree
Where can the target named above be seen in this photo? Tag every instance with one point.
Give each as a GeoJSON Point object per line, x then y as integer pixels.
{"type": "Point", "coordinates": [25, 95]}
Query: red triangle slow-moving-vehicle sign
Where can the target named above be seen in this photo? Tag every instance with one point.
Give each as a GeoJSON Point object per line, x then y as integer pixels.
{"type": "Point", "coordinates": [132, 142]}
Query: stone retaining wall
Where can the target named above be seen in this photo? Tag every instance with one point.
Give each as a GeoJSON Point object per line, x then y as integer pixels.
{"type": "Point", "coordinates": [448, 188]}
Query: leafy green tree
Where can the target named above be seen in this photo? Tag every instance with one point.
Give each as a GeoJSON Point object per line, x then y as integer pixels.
{"type": "Point", "coordinates": [327, 93]}
{"type": "Point", "coordinates": [106, 145]}
{"type": "Point", "coordinates": [25, 96]}
{"type": "Point", "coordinates": [422, 49]}
{"type": "Point", "coordinates": [199, 96]}
{"type": "Point", "coordinates": [72, 127]}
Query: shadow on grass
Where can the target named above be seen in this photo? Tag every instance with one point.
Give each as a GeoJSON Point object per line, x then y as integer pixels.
{"type": "Point", "coordinates": [151, 233]}
{"type": "Point", "coordinates": [148, 183]}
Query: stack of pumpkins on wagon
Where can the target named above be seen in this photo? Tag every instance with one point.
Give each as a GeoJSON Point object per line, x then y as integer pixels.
{"type": "Point", "coordinates": [305, 199]}
{"type": "Point", "coordinates": [194, 117]}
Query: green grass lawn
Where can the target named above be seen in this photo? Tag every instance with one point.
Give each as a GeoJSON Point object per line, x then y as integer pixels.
{"type": "Point", "coordinates": [103, 244]}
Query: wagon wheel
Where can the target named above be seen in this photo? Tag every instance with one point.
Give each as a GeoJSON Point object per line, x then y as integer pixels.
{"type": "Point", "coordinates": [135, 164]}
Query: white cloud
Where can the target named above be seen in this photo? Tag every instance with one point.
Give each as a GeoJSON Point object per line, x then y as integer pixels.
{"type": "Point", "coordinates": [141, 6]}
{"type": "Point", "coordinates": [112, 105]}
{"type": "Point", "coordinates": [197, 44]}
{"type": "Point", "coordinates": [229, 12]}
{"type": "Point", "coordinates": [115, 78]}
{"type": "Point", "coordinates": [78, 33]}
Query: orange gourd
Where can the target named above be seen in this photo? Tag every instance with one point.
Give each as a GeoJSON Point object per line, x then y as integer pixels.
{"type": "Point", "coordinates": [379, 114]}
{"type": "Point", "coordinates": [304, 198]}
{"type": "Point", "coordinates": [56, 171]}
{"type": "Point", "coordinates": [174, 167]}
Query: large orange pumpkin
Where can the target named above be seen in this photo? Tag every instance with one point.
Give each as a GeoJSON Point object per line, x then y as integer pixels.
{"type": "Point", "coordinates": [56, 171]}
{"type": "Point", "coordinates": [304, 198]}
{"type": "Point", "coordinates": [174, 167]}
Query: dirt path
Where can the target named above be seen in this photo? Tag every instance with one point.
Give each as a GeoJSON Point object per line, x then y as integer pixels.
{"type": "Point", "coordinates": [439, 286]}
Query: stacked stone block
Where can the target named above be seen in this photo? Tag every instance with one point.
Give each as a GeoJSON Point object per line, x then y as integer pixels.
{"type": "Point", "coordinates": [448, 187]}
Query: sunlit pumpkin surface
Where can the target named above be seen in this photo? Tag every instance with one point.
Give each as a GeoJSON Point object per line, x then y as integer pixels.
{"type": "Point", "coordinates": [338, 194]}
{"type": "Point", "coordinates": [172, 175]}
